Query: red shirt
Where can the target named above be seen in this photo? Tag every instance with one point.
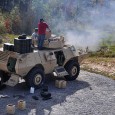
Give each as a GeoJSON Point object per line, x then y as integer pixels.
{"type": "Point", "coordinates": [42, 27]}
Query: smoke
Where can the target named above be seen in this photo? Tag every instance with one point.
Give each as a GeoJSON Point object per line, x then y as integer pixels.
{"type": "Point", "coordinates": [83, 39]}
{"type": "Point", "coordinates": [84, 23]}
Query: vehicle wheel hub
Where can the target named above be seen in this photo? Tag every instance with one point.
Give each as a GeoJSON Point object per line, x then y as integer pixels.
{"type": "Point", "coordinates": [38, 79]}
{"type": "Point", "coordinates": [74, 71]}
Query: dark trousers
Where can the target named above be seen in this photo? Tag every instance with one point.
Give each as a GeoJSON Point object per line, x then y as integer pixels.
{"type": "Point", "coordinates": [41, 39]}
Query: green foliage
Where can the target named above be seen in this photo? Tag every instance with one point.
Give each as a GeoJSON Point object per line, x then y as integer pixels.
{"type": "Point", "coordinates": [109, 52]}
{"type": "Point", "coordinates": [107, 47]}
{"type": "Point", "coordinates": [8, 5]}
{"type": "Point", "coordinates": [2, 27]}
{"type": "Point", "coordinates": [16, 20]}
{"type": "Point", "coordinates": [9, 38]}
{"type": "Point", "coordinates": [25, 14]}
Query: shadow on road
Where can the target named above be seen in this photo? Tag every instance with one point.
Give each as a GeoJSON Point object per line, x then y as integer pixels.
{"type": "Point", "coordinates": [58, 95]}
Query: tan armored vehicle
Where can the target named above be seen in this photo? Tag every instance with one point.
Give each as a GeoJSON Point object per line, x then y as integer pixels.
{"type": "Point", "coordinates": [19, 61]}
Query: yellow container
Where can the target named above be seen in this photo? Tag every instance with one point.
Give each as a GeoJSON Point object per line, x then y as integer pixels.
{"type": "Point", "coordinates": [21, 104]}
{"type": "Point", "coordinates": [60, 83]}
{"type": "Point", "coordinates": [10, 109]}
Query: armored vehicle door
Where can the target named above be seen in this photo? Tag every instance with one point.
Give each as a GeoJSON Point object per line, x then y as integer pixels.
{"type": "Point", "coordinates": [48, 60]}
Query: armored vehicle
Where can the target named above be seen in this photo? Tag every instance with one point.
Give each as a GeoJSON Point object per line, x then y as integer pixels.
{"type": "Point", "coordinates": [20, 61]}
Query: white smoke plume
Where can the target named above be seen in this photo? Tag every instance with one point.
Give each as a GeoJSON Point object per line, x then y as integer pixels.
{"type": "Point", "coordinates": [84, 39]}
{"type": "Point", "coordinates": [82, 22]}
{"type": "Point", "coordinates": [90, 26]}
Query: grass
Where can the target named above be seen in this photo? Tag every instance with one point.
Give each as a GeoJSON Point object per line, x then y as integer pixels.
{"type": "Point", "coordinates": [102, 61]}
{"type": "Point", "coordinates": [98, 72]}
{"type": "Point", "coordinates": [7, 38]}
{"type": "Point", "coordinates": [105, 51]}
{"type": "Point", "coordinates": [101, 65]}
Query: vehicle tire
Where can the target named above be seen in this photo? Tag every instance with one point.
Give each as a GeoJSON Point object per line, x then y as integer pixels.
{"type": "Point", "coordinates": [6, 77]}
{"type": "Point", "coordinates": [35, 78]}
{"type": "Point", "coordinates": [0, 83]}
{"type": "Point", "coordinates": [1, 76]}
{"type": "Point", "coordinates": [73, 70]}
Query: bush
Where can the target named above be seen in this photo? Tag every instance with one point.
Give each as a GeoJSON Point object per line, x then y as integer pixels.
{"type": "Point", "coordinates": [2, 28]}
{"type": "Point", "coordinates": [8, 25]}
{"type": "Point", "coordinates": [102, 54]}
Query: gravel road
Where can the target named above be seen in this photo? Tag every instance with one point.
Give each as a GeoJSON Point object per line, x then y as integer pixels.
{"type": "Point", "coordinates": [90, 94]}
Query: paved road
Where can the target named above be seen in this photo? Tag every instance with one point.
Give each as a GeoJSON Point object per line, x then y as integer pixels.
{"type": "Point", "coordinates": [90, 94]}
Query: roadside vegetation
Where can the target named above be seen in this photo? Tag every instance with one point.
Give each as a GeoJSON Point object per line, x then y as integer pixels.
{"type": "Point", "coordinates": [101, 65]}
{"type": "Point", "coordinates": [7, 38]}
{"type": "Point", "coordinates": [103, 60]}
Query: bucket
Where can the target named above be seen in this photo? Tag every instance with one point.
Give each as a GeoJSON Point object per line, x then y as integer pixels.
{"type": "Point", "coordinates": [10, 109]}
{"type": "Point", "coordinates": [47, 34]}
{"type": "Point", "coordinates": [21, 104]}
{"type": "Point", "coordinates": [60, 83]}
{"type": "Point", "coordinates": [32, 90]}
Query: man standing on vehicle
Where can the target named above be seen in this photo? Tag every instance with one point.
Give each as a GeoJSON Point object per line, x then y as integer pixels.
{"type": "Point", "coordinates": [41, 31]}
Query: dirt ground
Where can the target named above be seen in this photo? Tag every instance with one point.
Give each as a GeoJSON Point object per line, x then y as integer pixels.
{"type": "Point", "coordinates": [104, 66]}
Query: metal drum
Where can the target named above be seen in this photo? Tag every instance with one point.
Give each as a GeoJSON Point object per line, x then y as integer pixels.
{"type": "Point", "coordinates": [22, 45]}
{"type": "Point", "coordinates": [8, 47]}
